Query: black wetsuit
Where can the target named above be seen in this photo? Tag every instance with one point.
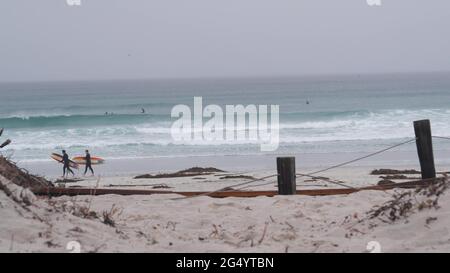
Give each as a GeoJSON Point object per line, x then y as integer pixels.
{"type": "Point", "coordinates": [88, 164]}
{"type": "Point", "coordinates": [66, 162]}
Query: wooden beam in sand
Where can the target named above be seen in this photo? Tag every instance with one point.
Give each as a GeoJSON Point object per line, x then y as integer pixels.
{"type": "Point", "coordinates": [54, 191]}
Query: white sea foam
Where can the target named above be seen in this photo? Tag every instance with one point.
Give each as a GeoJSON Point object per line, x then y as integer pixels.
{"type": "Point", "coordinates": [356, 115]}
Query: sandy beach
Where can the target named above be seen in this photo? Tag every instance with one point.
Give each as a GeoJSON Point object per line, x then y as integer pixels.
{"type": "Point", "coordinates": [173, 223]}
{"type": "Point", "coordinates": [305, 162]}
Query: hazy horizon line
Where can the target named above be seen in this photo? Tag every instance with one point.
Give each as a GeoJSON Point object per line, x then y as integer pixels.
{"type": "Point", "coordinates": [231, 77]}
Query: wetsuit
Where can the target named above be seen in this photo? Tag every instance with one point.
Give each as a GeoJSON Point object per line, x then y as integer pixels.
{"type": "Point", "coordinates": [88, 164]}
{"type": "Point", "coordinates": [66, 162]}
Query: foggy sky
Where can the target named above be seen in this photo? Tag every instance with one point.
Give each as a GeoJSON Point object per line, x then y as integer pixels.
{"type": "Point", "coordinates": [117, 39]}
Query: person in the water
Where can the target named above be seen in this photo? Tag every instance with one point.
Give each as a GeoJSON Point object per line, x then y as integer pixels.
{"type": "Point", "coordinates": [88, 163]}
{"type": "Point", "coordinates": [66, 163]}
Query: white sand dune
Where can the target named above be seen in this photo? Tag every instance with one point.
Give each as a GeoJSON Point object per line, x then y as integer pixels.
{"type": "Point", "coordinates": [160, 223]}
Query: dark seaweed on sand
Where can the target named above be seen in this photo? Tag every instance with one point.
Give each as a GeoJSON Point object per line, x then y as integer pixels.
{"type": "Point", "coordinates": [195, 171]}
{"type": "Point", "coordinates": [391, 172]}
{"type": "Point", "coordinates": [405, 203]}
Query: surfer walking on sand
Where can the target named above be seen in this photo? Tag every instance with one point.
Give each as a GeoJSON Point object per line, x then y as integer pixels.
{"type": "Point", "coordinates": [88, 163]}
{"type": "Point", "coordinates": [66, 163]}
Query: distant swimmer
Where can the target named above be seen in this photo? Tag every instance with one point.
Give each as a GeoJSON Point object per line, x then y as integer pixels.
{"type": "Point", "coordinates": [66, 162]}
{"type": "Point", "coordinates": [106, 113]}
{"type": "Point", "coordinates": [142, 110]}
{"type": "Point", "coordinates": [88, 163]}
{"type": "Point", "coordinates": [307, 101]}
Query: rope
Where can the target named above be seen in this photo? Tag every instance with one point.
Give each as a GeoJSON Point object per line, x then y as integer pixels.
{"type": "Point", "coordinates": [226, 188]}
{"type": "Point", "coordinates": [259, 185]}
{"type": "Point", "coordinates": [361, 158]}
{"type": "Point", "coordinates": [333, 181]}
{"type": "Point", "coordinates": [302, 175]}
{"type": "Point", "coordinates": [441, 137]}
{"type": "Point", "coordinates": [349, 162]}
{"type": "Point", "coordinates": [251, 172]}
{"type": "Point", "coordinates": [337, 182]}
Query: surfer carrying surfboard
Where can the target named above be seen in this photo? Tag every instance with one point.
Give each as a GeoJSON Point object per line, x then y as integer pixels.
{"type": "Point", "coordinates": [88, 163]}
{"type": "Point", "coordinates": [66, 163]}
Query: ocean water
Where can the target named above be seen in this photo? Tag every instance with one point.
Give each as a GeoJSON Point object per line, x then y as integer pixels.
{"type": "Point", "coordinates": [345, 114]}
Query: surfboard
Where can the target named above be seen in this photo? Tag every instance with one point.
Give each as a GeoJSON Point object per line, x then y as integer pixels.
{"type": "Point", "coordinates": [95, 160]}
{"type": "Point", "coordinates": [6, 143]}
{"type": "Point", "coordinates": [59, 158]}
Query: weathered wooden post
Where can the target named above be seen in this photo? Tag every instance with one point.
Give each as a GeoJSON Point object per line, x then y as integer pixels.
{"type": "Point", "coordinates": [422, 129]}
{"type": "Point", "coordinates": [286, 176]}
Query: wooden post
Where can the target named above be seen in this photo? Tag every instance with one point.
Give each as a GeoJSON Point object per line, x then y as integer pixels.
{"type": "Point", "coordinates": [422, 129]}
{"type": "Point", "coordinates": [286, 175]}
